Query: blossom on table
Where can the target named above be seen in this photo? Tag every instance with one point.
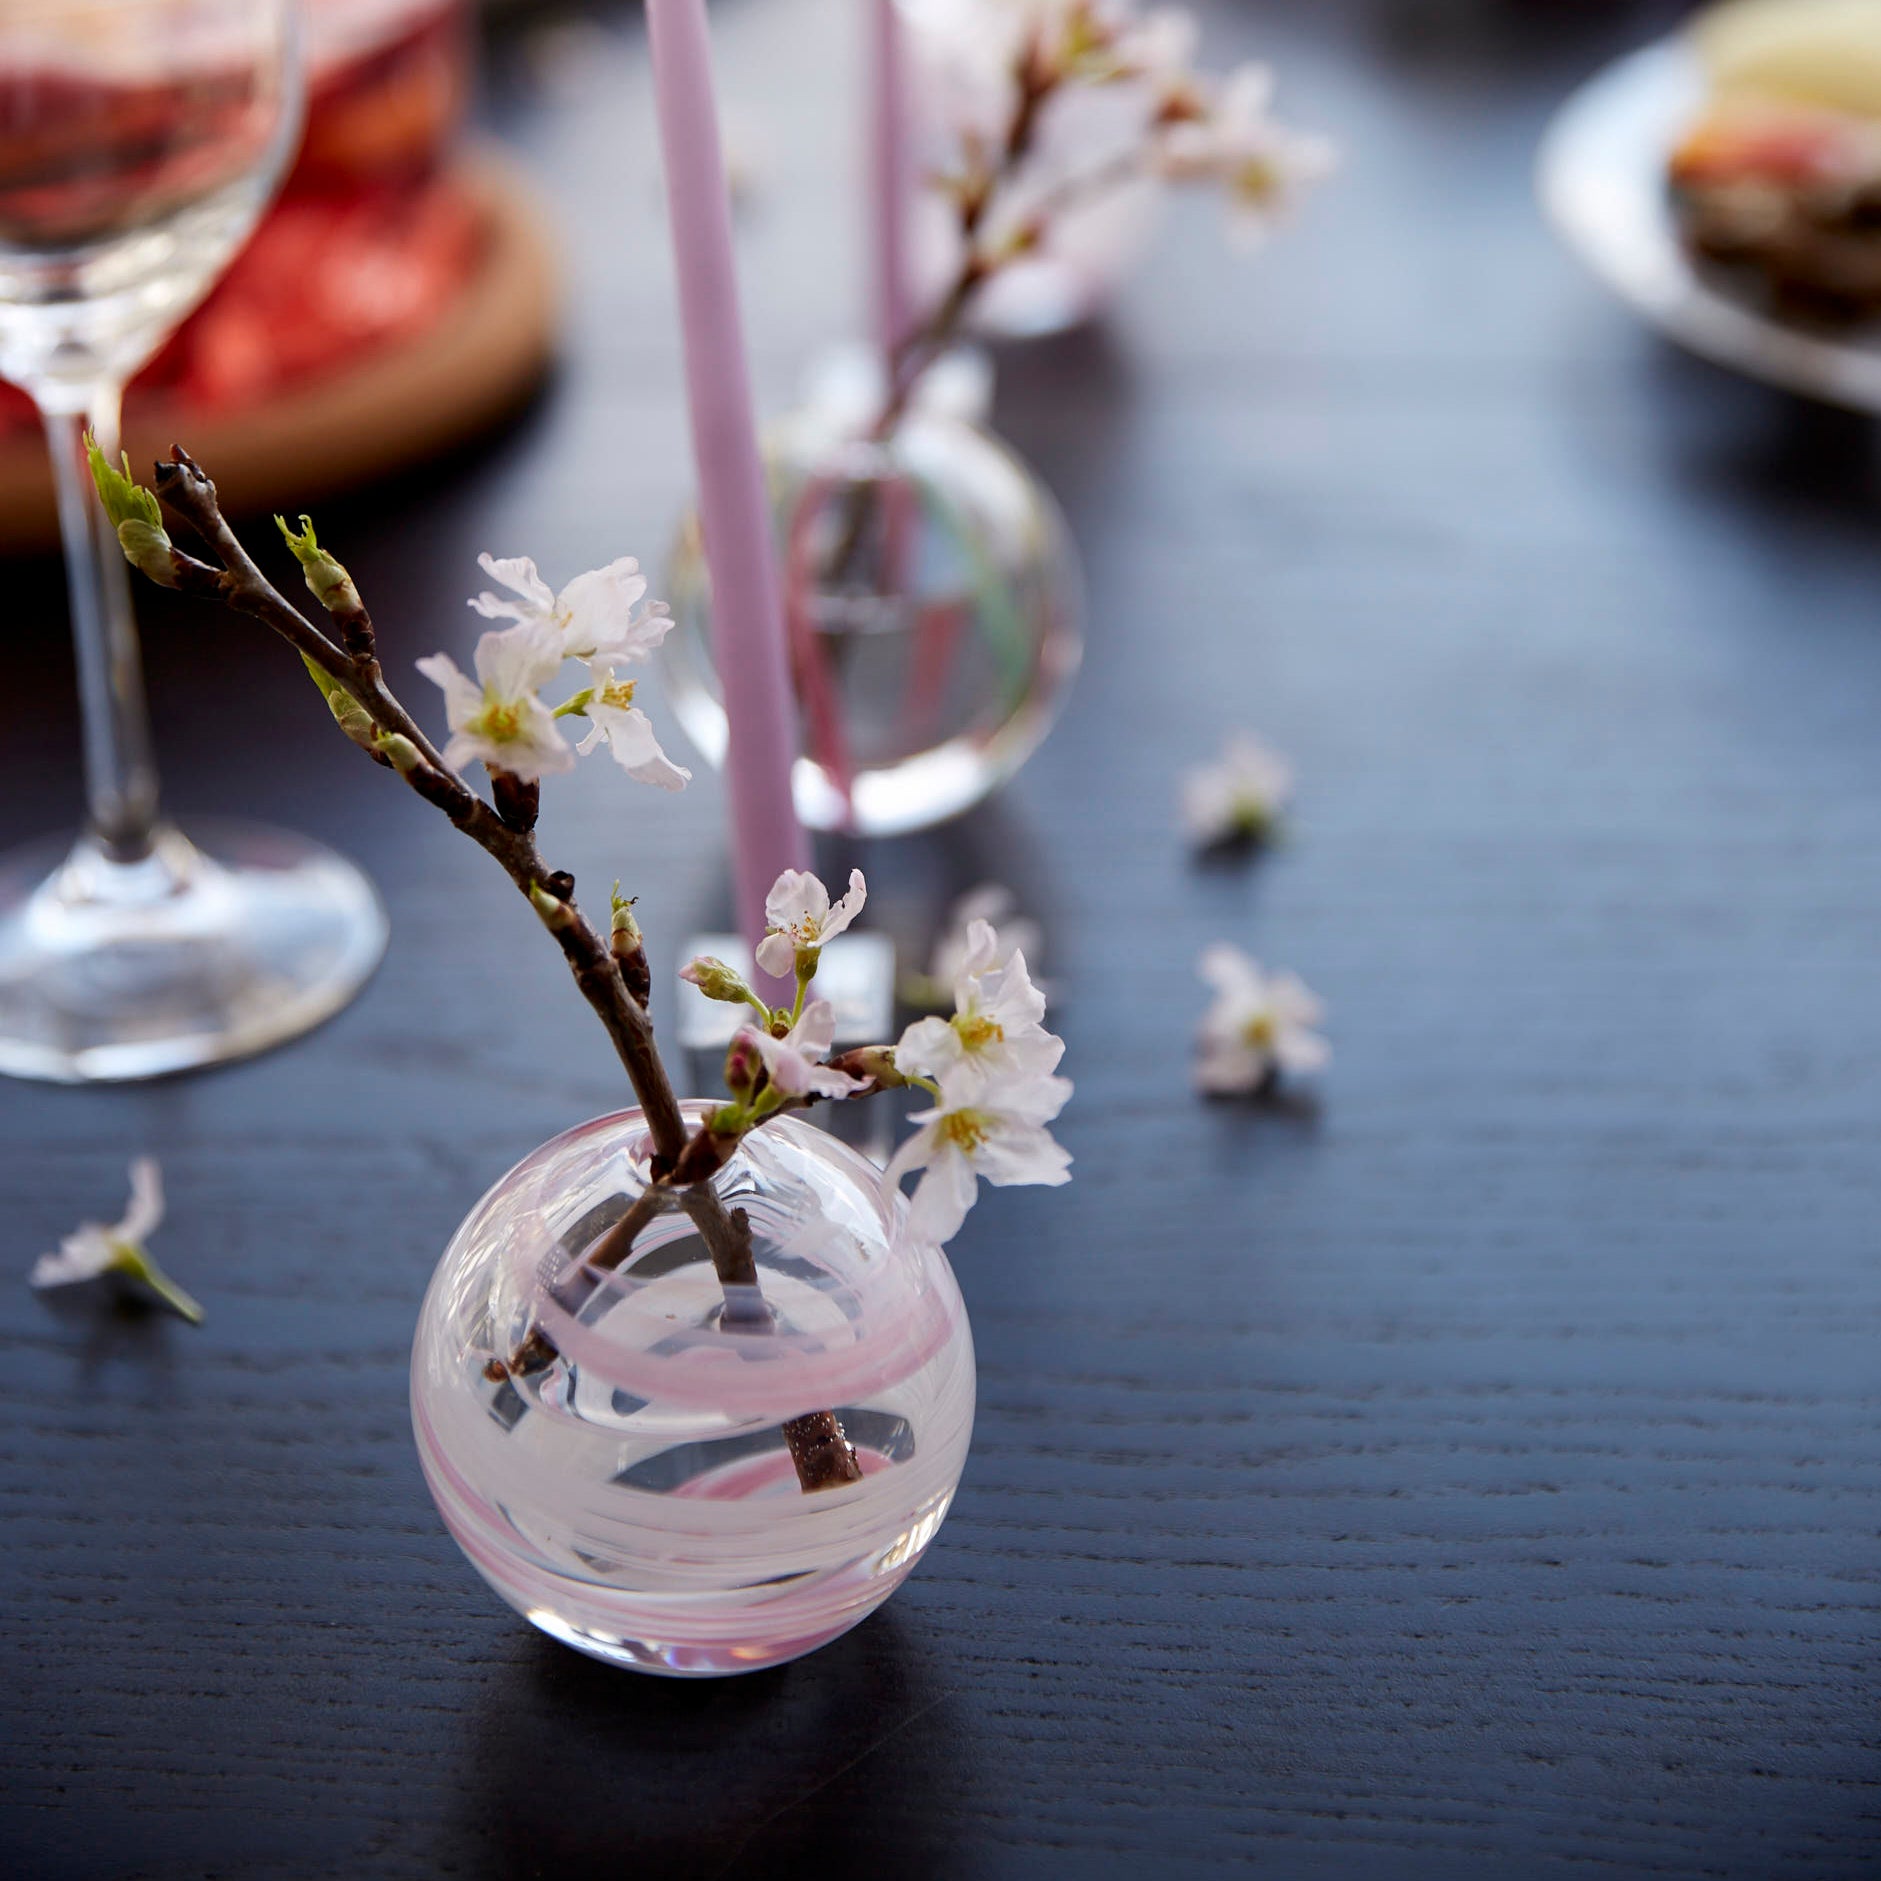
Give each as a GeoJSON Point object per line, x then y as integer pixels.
{"type": "Point", "coordinates": [996, 1035]}
{"type": "Point", "coordinates": [980, 1130]}
{"type": "Point", "coordinates": [626, 730]}
{"type": "Point", "coordinates": [1159, 49]}
{"type": "Point", "coordinates": [1240, 796]}
{"type": "Point", "coordinates": [499, 717]}
{"type": "Point", "coordinates": [92, 1249]}
{"type": "Point", "coordinates": [799, 920]}
{"type": "Point", "coordinates": [1259, 1028]}
{"type": "Point", "coordinates": [599, 612]}
{"type": "Point", "coordinates": [795, 1061]}
{"type": "Point", "coordinates": [993, 904]}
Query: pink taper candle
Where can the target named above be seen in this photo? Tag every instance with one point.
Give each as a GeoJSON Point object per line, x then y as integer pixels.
{"type": "Point", "coordinates": [747, 605]}
{"type": "Point", "coordinates": [889, 177]}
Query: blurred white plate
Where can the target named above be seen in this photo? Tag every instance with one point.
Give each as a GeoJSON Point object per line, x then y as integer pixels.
{"type": "Point", "coordinates": [1602, 180]}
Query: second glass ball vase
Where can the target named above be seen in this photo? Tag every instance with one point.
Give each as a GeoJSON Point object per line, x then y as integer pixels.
{"type": "Point", "coordinates": [933, 612]}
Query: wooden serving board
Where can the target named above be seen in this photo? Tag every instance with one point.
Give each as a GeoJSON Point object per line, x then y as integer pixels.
{"type": "Point", "coordinates": [393, 407]}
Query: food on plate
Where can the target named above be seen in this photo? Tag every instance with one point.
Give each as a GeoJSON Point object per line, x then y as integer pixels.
{"type": "Point", "coordinates": [1781, 172]}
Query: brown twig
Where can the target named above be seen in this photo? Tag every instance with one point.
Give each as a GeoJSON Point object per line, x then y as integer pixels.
{"type": "Point", "coordinates": [1036, 79]}
{"type": "Point", "coordinates": [184, 489]}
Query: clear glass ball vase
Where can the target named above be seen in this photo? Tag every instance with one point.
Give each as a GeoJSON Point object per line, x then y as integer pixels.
{"type": "Point", "coordinates": [613, 1449]}
{"type": "Point", "coordinates": [933, 609]}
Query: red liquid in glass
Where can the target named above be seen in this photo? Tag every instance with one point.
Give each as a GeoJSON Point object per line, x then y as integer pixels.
{"type": "Point", "coordinates": [368, 243]}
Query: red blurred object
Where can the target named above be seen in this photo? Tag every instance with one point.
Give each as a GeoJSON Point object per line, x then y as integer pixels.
{"type": "Point", "coordinates": [1788, 145]}
{"type": "Point", "coordinates": [371, 240]}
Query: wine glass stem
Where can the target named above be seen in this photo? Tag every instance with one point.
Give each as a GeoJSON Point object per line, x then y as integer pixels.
{"type": "Point", "coordinates": [120, 778]}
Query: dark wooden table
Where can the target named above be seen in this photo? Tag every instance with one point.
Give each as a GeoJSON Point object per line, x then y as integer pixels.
{"type": "Point", "coordinates": [1473, 1474]}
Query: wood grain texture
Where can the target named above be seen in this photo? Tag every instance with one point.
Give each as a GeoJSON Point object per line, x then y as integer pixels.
{"type": "Point", "coordinates": [1471, 1475]}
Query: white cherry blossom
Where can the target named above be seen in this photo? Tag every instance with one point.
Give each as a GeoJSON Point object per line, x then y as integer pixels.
{"type": "Point", "coordinates": [498, 717]}
{"type": "Point", "coordinates": [1240, 796]}
{"type": "Point", "coordinates": [980, 1131]}
{"type": "Point", "coordinates": [799, 917]}
{"type": "Point", "coordinates": [599, 612]}
{"type": "Point", "coordinates": [92, 1248]}
{"type": "Point", "coordinates": [1160, 50]}
{"type": "Point", "coordinates": [795, 1061]}
{"type": "Point", "coordinates": [996, 1035]}
{"type": "Point", "coordinates": [992, 903]}
{"type": "Point", "coordinates": [626, 730]}
{"type": "Point", "coordinates": [1260, 1026]}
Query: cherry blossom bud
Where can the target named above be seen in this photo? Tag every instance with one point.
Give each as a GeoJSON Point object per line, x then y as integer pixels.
{"type": "Point", "coordinates": [148, 550]}
{"type": "Point", "coordinates": [399, 752]}
{"type": "Point", "coordinates": [557, 915]}
{"type": "Point", "coordinates": [327, 581]}
{"type": "Point", "coordinates": [351, 717]}
{"type": "Point", "coordinates": [628, 946]}
{"type": "Point", "coordinates": [134, 514]}
{"type": "Point", "coordinates": [354, 720]}
{"type": "Point", "coordinates": [873, 1062]}
{"type": "Point", "coordinates": [743, 1067]}
{"type": "Point", "coordinates": [420, 773]}
{"type": "Point", "coordinates": [716, 980]}
{"type": "Point", "coordinates": [623, 929]}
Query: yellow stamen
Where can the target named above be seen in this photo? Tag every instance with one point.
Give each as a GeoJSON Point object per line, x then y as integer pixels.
{"type": "Point", "coordinates": [1255, 182]}
{"type": "Point", "coordinates": [500, 721]}
{"type": "Point", "coordinates": [966, 1130]}
{"type": "Point", "coordinates": [977, 1032]}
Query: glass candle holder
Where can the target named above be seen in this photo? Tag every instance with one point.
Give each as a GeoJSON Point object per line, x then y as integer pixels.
{"type": "Point", "coordinates": [933, 608]}
{"type": "Point", "coordinates": [616, 1449]}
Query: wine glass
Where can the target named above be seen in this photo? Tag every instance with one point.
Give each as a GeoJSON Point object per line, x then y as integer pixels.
{"type": "Point", "coordinates": [140, 141]}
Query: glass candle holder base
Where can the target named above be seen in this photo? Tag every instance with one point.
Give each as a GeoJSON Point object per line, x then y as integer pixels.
{"type": "Point", "coordinates": [620, 1449]}
{"type": "Point", "coordinates": [111, 970]}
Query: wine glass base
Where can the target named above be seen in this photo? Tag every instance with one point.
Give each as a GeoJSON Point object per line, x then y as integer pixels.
{"type": "Point", "coordinates": [112, 971]}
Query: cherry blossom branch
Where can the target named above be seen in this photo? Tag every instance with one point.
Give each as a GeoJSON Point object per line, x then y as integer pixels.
{"type": "Point", "coordinates": [1195, 130]}
{"type": "Point", "coordinates": [1035, 79]}
{"type": "Point", "coordinates": [188, 493]}
{"type": "Point", "coordinates": [348, 672]}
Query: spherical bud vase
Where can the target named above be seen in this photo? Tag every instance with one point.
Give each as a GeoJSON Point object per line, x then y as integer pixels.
{"type": "Point", "coordinates": [932, 604]}
{"type": "Point", "coordinates": [622, 1451]}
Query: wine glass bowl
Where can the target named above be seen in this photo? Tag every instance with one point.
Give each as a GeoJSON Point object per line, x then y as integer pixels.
{"type": "Point", "coordinates": [140, 141]}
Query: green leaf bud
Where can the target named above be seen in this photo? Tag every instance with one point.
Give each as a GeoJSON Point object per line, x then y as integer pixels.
{"type": "Point", "coordinates": [327, 581]}
{"type": "Point", "coordinates": [135, 515]}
